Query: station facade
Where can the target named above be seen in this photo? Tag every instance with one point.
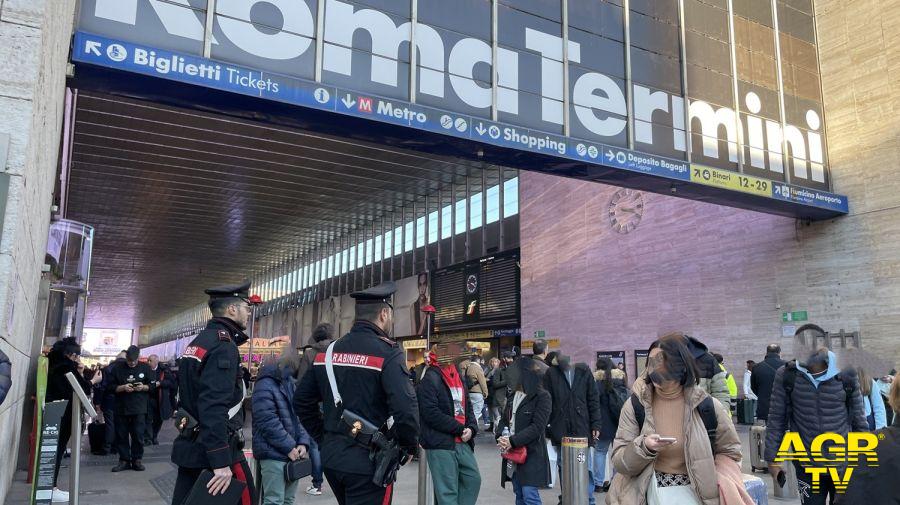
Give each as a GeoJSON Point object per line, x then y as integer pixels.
{"type": "Point", "coordinates": [593, 173]}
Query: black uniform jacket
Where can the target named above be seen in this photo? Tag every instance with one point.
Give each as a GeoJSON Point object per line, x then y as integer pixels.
{"type": "Point", "coordinates": [374, 383]}
{"type": "Point", "coordinates": [210, 384]}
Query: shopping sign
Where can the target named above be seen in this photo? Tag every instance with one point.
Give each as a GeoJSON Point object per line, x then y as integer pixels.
{"type": "Point", "coordinates": [831, 455]}
{"type": "Point", "coordinates": [519, 80]}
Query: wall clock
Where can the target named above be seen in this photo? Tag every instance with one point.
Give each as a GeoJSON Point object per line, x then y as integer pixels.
{"type": "Point", "coordinates": [626, 208]}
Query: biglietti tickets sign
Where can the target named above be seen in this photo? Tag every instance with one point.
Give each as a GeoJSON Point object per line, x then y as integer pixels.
{"type": "Point", "coordinates": [461, 78]}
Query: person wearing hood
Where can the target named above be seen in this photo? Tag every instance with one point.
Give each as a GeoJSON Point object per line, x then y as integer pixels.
{"type": "Point", "coordinates": [278, 436]}
{"type": "Point", "coordinates": [211, 395]}
{"type": "Point", "coordinates": [322, 336]}
{"type": "Point", "coordinates": [575, 407]}
{"type": "Point", "coordinates": [449, 426]}
{"type": "Point", "coordinates": [64, 358]}
{"type": "Point", "coordinates": [812, 398]}
{"type": "Point", "coordinates": [524, 424]}
{"type": "Point", "coordinates": [663, 453]}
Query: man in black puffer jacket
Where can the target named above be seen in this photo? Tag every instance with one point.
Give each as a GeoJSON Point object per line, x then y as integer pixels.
{"type": "Point", "coordinates": [820, 400]}
{"type": "Point", "coordinates": [5, 376]}
{"type": "Point", "coordinates": [448, 426]}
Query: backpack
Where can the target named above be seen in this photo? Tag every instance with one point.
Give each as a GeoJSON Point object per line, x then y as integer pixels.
{"type": "Point", "coordinates": [706, 409]}
{"type": "Point", "coordinates": [616, 396]}
{"type": "Point", "coordinates": [790, 377]}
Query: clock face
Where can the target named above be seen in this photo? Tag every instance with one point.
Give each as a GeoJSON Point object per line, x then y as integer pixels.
{"type": "Point", "coordinates": [626, 208]}
{"type": "Point", "coordinates": [471, 284]}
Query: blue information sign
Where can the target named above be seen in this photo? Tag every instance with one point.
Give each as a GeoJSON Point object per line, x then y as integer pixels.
{"type": "Point", "coordinates": [155, 62]}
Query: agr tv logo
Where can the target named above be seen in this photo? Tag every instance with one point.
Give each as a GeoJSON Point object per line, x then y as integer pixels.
{"type": "Point", "coordinates": [827, 453]}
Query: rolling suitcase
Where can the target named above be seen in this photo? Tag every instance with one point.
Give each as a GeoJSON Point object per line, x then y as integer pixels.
{"type": "Point", "coordinates": [97, 437]}
{"type": "Point", "coordinates": [758, 448]}
{"type": "Point", "coordinates": [745, 411]}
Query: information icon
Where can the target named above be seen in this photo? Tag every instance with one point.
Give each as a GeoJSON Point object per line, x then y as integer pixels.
{"type": "Point", "coordinates": [322, 95]}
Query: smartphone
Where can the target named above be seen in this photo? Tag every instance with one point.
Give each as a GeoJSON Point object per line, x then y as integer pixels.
{"type": "Point", "coordinates": [667, 439]}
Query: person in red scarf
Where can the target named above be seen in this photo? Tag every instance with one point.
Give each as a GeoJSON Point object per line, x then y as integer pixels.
{"type": "Point", "coordinates": [448, 431]}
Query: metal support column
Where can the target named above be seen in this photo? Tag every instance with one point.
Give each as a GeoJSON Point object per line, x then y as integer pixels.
{"type": "Point", "coordinates": [781, 113]}
{"type": "Point", "coordinates": [682, 37]}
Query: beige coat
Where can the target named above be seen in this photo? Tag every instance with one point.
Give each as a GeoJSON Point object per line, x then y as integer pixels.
{"type": "Point", "coordinates": [634, 463]}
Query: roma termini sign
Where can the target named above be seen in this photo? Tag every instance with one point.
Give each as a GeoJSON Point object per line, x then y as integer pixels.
{"type": "Point", "coordinates": [512, 71]}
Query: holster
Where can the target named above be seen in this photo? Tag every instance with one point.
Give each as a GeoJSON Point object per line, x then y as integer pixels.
{"type": "Point", "coordinates": [387, 456]}
{"type": "Point", "coordinates": [358, 428]}
{"type": "Point", "coordinates": [186, 424]}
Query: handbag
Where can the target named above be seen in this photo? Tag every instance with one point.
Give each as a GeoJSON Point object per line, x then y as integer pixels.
{"type": "Point", "coordinates": [517, 455]}
{"type": "Point", "coordinates": [296, 470]}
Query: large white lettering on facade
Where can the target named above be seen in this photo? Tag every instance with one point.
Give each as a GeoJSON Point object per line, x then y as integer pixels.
{"type": "Point", "coordinates": [598, 100]}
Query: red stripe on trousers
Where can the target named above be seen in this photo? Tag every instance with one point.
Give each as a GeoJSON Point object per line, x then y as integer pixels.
{"type": "Point", "coordinates": [238, 472]}
{"type": "Point", "coordinates": [388, 491]}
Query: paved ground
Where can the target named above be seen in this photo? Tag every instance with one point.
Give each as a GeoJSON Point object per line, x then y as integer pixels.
{"type": "Point", "coordinates": [154, 486]}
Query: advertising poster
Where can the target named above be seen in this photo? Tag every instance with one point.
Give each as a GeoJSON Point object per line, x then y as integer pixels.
{"type": "Point", "coordinates": [617, 357]}
{"type": "Point", "coordinates": [640, 361]}
{"type": "Point", "coordinates": [105, 341]}
{"type": "Point", "coordinates": [412, 294]}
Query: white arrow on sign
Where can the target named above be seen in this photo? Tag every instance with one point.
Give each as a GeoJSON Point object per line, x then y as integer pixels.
{"type": "Point", "coordinates": [610, 155]}
{"type": "Point", "coordinates": [92, 46]}
{"type": "Point", "coordinates": [480, 129]}
{"type": "Point", "coordinates": [348, 101]}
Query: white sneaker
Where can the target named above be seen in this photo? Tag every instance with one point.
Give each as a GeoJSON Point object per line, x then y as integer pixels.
{"type": "Point", "coordinates": [60, 496]}
{"type": "Point", "coordinates": [313, 490]}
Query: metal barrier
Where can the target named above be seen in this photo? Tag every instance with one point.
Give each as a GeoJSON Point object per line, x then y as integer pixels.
{"type": "Point", "coordinates": [789, 491]}
{"type": "Point", "coordinates": [574, 480]}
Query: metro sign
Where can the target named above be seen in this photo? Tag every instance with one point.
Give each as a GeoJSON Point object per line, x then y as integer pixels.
{"type": "Point", "coordinates": [448, 71]}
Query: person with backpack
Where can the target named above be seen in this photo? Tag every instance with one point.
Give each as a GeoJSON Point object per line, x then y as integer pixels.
{"type": "Point", "coordinates": [812, 398]}
{"type": "Point", "coordinates": [730, 384]}
{"type": "Point", "coordinates": [612, 394]}
{"type": "Point", "coordinates": [671, 430]}
{"type": "Point", "coordinates": [476, 385]}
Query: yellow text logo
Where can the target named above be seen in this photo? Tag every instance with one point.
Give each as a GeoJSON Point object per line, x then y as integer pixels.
{"type": "Point", "coordinates": [829, 454]}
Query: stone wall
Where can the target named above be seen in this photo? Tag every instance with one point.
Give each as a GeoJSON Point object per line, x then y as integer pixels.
{"type": "Point", "coordinates": [34, 43]}
{"type": "Point", "coordinates": [725, 274]}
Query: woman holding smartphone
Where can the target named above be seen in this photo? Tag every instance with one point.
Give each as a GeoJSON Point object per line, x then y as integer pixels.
{"type": "Point", "coordinates": [668, 459]}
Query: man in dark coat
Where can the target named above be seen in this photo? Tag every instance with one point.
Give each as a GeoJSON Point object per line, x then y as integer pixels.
{"type": "Point", "coordinates": [322, 336]}
{"type": "Point", "coordinates": [5, 376]}
{"type": "Point", "coordinates": [160, 407]}
{"type": "Point", "coordinates": [373, 383]}
{"type": "Point", "coordinates": [576, 407]}
{"type": "Point", "coordinates": [812, 398]}
{"type": "Point", "coordinates": [107, 403]}
{"type": "Point", "coordinates": [762, 378]}
{"type": "Point", "coordinates": [449, 426]}
{"type": "Point", "coordinates": [132, 385]}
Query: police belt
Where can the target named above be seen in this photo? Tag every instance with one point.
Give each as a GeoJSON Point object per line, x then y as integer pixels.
{"type": "Point", "coordinates": [189, 427]}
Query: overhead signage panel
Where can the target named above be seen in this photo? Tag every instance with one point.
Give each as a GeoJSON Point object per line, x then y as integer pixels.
{"type": "Point", "coordinates": [366, 47]}
{"type": "Point", "coordinates": [156, 62]}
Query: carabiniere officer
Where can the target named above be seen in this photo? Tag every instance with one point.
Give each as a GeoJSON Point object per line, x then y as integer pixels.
{"type": "Point", "coordinates": [210, 416]}
{"type": "Point", "coordinates": [373, 382]}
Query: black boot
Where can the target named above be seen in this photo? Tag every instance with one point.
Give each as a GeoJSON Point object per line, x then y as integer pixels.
{"type": "Point", "coordinates": [122, 466]}
{"type": "Point", "coordinates": [138, 466]}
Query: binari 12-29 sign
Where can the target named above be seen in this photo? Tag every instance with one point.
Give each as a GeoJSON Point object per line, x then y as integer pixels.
{"type": "Point", "coordinates": [366, 47]}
